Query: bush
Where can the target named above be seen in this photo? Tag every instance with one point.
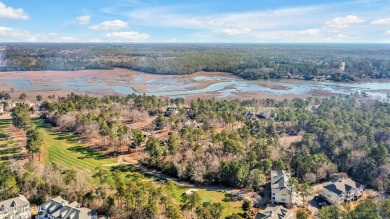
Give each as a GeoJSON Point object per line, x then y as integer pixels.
{"type": "Point", "coordinates": [302, 214]}
{"type": "Point", "coordinates": [246, 205]}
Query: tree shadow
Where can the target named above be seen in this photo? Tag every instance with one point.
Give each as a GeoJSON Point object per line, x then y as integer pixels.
{"type": "Point", "coordinates": [8, 151]}
{"type": "Point", "coordinates": [88, 152]}
{"type": "Point", "coordinates": [3, 136]}
{"type": "Point", "coordinates": [132, 170]}
{"type": "Point", "coordinates": [63, 136]}
{"type": "Point", "coordinates": [14, 156]}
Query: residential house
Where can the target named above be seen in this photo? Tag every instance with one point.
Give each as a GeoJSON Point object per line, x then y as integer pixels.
{"type": "Point", "coordinates": [342, 67]}
{"type": "Point", "coordinates": [18, 208]}
{"type": "Point", "coordinates": [342, 190]}
{"type": "Point", "coordinates": [250, 116]}
{"type": "Point", "coordinates": [170, 110]}
{"type": "Point", "coordinates": [192, 124]}
{"type": "Point", "coordinates": [57, 208]}
{"type": "Point", "coordinates": [29, 104]}
{"type": "Point", "coordinates": [281, 190]}
{"type": "Point", "coordinates": [1, 108]}
{"type": "Point", "coordinates": [262, 115]}
{"type": "Point", "coordinates": [275, 212]}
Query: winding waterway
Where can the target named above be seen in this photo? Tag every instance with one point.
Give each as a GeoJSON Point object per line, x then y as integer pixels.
{"type": "Point", "coordinates": [174, 87]}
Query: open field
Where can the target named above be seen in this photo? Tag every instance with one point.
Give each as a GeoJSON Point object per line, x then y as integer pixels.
{"type": "Point", "coordinates": [211, 196]}
{"type": "Point", "coordinates": [65, 149]}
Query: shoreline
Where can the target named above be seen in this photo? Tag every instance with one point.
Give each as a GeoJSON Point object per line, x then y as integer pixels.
{"type": "Point", "coordinates": [361, 80]}
{"type": "Point", "coordinates": [193, 75]}
{"type": "Point", "coordinates": [221, 85]}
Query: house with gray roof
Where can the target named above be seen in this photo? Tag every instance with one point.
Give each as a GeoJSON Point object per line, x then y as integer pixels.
{"type": "Point", "coordinates": [275, 212]}
{"type": "Point", "coordinates": [15, 208]}
{"type": "Point", "coordinates": [57, 208]}
{"type": "Point", "coordinates": [342, 190]}
{"type": "Point", "coordinates": [280, 189]}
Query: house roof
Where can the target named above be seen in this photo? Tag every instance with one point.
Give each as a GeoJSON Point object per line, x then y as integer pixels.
{"type": "Point", "coordinates": [341, 185]}
{"type": "Point", "coordinates": [274, 212]}
{"type": "Point", "coordinates": [333, 188]}
{"type": "Point", "coordinates": [17, 202]}
{"type": "Point", "coordinates": [279, 179]}
{"type": "Point", "coordinates": [60, 208]}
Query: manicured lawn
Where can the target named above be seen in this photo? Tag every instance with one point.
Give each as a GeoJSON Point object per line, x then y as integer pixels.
{"type": "Point", "coordinates": [9, 148]}
{"type": "Point", "coordinates": [212, 196]}
{"type": "Point", "coordinates": [65, 149]}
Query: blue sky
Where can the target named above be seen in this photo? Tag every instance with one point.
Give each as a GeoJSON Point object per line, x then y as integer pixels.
{"type": "Point", "coordinates": [245, 21]}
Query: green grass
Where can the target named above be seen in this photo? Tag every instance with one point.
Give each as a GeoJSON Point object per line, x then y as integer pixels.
{"type": "Point", "coordinates": [8, 147]}
{"type": "Point", "coordinates": [211, 196]}
{"type": "Point", "coordinates": [64, 148]}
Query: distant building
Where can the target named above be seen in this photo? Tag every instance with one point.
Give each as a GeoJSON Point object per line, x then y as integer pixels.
{"type": "Point", "coordinates": [192, 124]}
{"type": "Point", "coordinates": [280, 189]}
{"type": "Point", "coordinates": [57, 208]}
{"type": "Point", "coordinates": [15, 208]}
{"type": "Point", "coordinates": [1, 108]}
{"type": "Point", "coordinates": [29, 103]}
{"type": "Point", "coordinates": [342, 190]}
{"type": "Point", "coordinates": [342, 67]}
{"type": "Point", "coordinates": [262, 115]}
{"type": "Point", "coordinates": [11, 105]}
{"type": "Point", "coordinates": [275, 212]}
{"type": "Point", "coordinates": [169, 111]}
{"type": "Point", "coordinates": [250, 116]}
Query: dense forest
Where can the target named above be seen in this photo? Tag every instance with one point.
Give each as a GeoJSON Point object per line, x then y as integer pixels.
{"type": "Point", "coordinates": [339, 134]}
{"type": "Point", "coordinates": [249, 61]}
{"type": "Point", "coordinates": [225, 146]}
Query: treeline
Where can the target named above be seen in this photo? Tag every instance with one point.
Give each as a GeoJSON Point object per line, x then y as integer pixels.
{"type": "Point", "coordinates": [247, 61]}
{"type": "Point", "coordinates": [21, 120]}
{"type": "Point", "coordinates": [339, 134]}
{"type": "Point", "coordinates": [368, 209]}
{"type": "Point", "coordinates": [111, 193]}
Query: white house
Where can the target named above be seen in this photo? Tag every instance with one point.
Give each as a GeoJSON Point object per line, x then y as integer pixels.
{"type": "Point", "coordinates": [1, 108]}
{"type": "Point", "coordinates": [275, 212]}
{"type": "Point", "coordinates": [59, 208]}
{"type": "Point", "coordinates": [342, 190]}
{"type": "Point", "coordinates": [16, 208]}
{"type": "Point", "coordinates": [11, 105]}
{"type": "Point", "coordinates": [280, 189]}
{"type": "Point", "coordinates": [171, 110]}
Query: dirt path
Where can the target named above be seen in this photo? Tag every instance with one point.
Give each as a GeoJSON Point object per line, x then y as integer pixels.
{"type": "Point", "coordinates": [120, 162]}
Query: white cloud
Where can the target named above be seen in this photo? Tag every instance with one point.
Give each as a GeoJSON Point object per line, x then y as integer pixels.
{"type": "Point", "coordinates": [12, 13]}
{"type": "Point", "coordinates": [68, 39]}
{"type": "Point", "coordinates": [337, 38]}
{"type": "Point", "coordinates": [235, 31]}
{"type": "Point", "coordinates": [128, 36]}
{"type": "Point", "coordinates": [83, 19]}
{"type": "Point", "coordinates": [173, 40]}
{"type": "Point", "coordinates": [110, 25]}
{"type": "Point", "coordinates": [343, 22]}
{"type": "Point", "coordinates": [228, 23]}
{"type": "Point", "coordinates": [385, 21]}
{"type": "Point", "coordinates": [5, 29]}
{"type": "Point", "coordinates": [388, 32]}
{"type": "Point", "coordinates": [11, 35]}
{"type": "Point", "coordinates": [309, 32]}
{"type": "Point", "coordinates": [14, 35]}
